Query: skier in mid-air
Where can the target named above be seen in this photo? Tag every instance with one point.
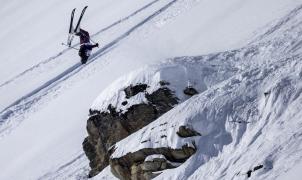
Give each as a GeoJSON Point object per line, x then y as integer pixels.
{"type": "Point", "coordinates": [85, 45]}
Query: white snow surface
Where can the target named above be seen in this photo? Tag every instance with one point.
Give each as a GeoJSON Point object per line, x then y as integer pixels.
{"type": "Point", "coordinates": [151, 157]}
{"type": "Point", "coordinates": [232, 51]}
{"type": "Point", "coordinates": [179, 73]}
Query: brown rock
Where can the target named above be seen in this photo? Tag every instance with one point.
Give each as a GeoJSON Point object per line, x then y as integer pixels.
{"type": "Point", "coordinates": [133, 167]}
{"type": "Point", "coordinates": [190, 91]}
{"type": "Point", "coordinates": [134, 90]}
{"type": "Point", "coordinates": [184, 132]}
{"type": "Point", "coordinates": [106, 128]}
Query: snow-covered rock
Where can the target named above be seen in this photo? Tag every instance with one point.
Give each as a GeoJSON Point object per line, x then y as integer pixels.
{"type": "Point", "coordinates": [230, 117]}
{"type": "Point", "coordinates": [135, 100]}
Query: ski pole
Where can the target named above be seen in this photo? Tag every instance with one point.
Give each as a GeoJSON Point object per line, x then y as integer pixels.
{"type": "Point", "coordinates": [70, 46]}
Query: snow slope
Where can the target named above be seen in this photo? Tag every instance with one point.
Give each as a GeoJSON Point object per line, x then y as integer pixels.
{"type": "Point", "coordinates": [46, 93]}
{"type": "Point", "coordinates": [240, 119]}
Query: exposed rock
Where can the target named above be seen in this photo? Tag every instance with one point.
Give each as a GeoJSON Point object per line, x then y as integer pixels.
{"type": "Point", "coordinates": [190, 91]}
{"type": "Point", "coordinates": [146, 169]}
{"type": "Point", "coordinates": [162, 99]}
{"type": "Point", "coordinates": [164, 83]}
{"type": "Point", "coordinates": [133, 166]}
{"type": "Point", "coordinates": [108, 127]}
{"type": "Point", "coordinates": [249, 172]}
{"type": "Point", "coordinates": [134, 90]}
{"type": "Point", "coordinates": [184, 132]}
{"type": "Point", "coordinates": [102, 131]}
{"type": "Point", "coordinates": [140, 115]}
{"type": "Point", "coordinates": [124, 103]}
{"type": "Point", "coordinates": [93, 112]}
{"type": "Point", "coordinates": [267, 93]}
{"type": "Point", "coordinates": [163, 136]}
{"type": "Point", "coordinates": [240, 121]}
{"type": "Point", "coordinates": [258, 167]}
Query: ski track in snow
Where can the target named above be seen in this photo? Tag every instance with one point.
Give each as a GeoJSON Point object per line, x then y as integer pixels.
{"type": "Point", "coordinates": [64, 170]}
{"type": "Point", "coordinates": [125, 18]}
{"type": "Point", "coordinates": [280, 23]}
{"type": "Point", "coordinates": [71, 48]}
{"type": "Point", "coordinates": [27, 101]}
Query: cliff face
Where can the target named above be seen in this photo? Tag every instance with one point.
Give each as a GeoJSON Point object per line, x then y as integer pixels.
{"type": "Point", "coordinates": [108, 127]}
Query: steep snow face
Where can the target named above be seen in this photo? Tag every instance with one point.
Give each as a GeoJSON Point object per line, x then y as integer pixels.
{"type": "Point", "coordinates": [270, 125]}
{"type": "Point", "coordinates": [240, 121]}
{"type": "Point", "coordinates": [45, 92]}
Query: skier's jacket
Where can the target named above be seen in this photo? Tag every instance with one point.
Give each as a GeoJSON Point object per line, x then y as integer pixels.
{"type": "Point", "coordinates": [86, 46]}
{"type": "Point", "coordinates": [84, 36]}
{"type": "Point", "coordinates": [85, 49]}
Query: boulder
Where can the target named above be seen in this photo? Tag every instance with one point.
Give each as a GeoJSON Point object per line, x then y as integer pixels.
{"type": "Point", "coordinates": [134, 90]}
{"type": "Point", "coordinates": [133, 166]}
{"type": "Point", "coordinates": [190, 91]}
{"type": "Point", "coordinates": [164, 83]}
{"type": "Point", "coordinates": [184, 132]}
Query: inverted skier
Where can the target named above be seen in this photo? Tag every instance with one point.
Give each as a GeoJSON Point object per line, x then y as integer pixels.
{"type": "Point", "coordinates": [85, 45]}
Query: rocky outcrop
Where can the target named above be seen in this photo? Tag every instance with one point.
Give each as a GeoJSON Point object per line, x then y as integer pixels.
{"type": "Point", "coordinates": [137, 165]}
{"type": "Point", "coordinates": [162, 99]}
{"type": "Point", "coordinates": [108, 127]}
{"type": "Point", "coordinates": [190, 91]}
{"type": "Point", "coordinates": [187, 132]}
{"type": "Point", "coordinates": [145, 170]}
{"type": "Point", "coordinates": [133, 166]}
{"type": "Point", "coordinates": [249, 172]}
{"type": "Point", "coordinates": [134, 90]}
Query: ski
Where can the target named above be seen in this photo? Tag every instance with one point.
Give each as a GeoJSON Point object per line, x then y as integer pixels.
{"type": "Point", "coordinates": [80, 19]}
{"type": "Point", "coordinates": [63, 44]}
{"type": "Point", "coordinates": [71, 21]}
{"type": "Point", "coordinates": [70, 38]}
{"type": "Point", "coordinates": [71, 30]}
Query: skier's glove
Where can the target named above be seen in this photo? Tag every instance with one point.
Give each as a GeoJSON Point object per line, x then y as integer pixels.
{"type": "Point", "coordinates": [97, 44]}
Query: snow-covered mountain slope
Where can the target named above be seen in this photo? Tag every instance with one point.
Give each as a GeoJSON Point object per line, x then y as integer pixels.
{"type": "Point", "coordinates": [239, 121]}
{"type": "Point", "coordinates": [46, 93]}
{"type": "Point", "coordinates": [249, 123]}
